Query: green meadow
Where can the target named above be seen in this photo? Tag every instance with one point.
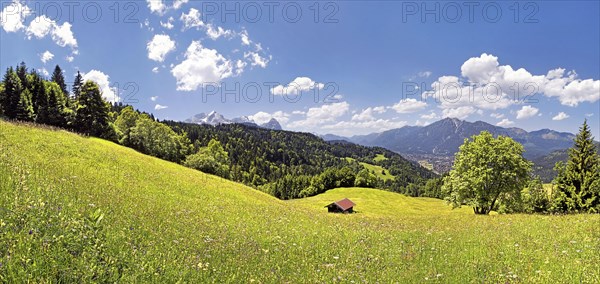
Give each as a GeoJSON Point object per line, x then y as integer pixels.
{"type": "Point", "coordinates": [80, 209]}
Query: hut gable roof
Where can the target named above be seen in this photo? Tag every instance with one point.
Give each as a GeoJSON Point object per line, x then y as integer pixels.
{"type": "Point", "coordinates": [343, 204]}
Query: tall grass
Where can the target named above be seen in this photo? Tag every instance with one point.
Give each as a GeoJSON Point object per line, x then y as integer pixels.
{"type": "Point", "coordinates": [76, 209]}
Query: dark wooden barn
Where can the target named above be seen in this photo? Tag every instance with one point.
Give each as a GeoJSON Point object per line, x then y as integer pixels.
{"type": "Point", "coordinates": [342, 206]}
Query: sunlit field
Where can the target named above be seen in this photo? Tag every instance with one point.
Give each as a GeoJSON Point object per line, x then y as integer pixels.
{"type": "Point", "coordinates": [78, 209]}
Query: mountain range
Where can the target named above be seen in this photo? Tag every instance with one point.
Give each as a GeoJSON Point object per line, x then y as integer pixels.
{"type": "Point", "coordinates": [214, 118]}
{"type": "Point", "coordinates": [437, 143]}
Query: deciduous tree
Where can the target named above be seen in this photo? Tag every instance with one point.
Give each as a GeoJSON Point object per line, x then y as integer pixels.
{"type": "Point", "coordinates": [485, 169]}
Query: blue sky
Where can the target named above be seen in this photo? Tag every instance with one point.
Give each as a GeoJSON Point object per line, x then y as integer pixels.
{"type": "Point", "coordinates": [364, 59]}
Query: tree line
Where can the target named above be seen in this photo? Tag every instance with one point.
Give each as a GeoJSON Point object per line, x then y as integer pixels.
{"type": "Point", "coordinates": [26, 96]}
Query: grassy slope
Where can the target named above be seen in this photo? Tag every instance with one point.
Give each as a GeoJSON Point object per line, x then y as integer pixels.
{"type": "Point", "coordinates": [379, 203]}
{"type": "Point", "coordinates": [164, 222]}
{"type": "Point", "coordinates": [378, 170]}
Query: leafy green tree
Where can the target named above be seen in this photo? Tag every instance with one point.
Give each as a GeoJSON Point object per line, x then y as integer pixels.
{"type": "Point", "coordinates": [154, 138]}
{"type": "Point", "coordinates": [59, 79]}
{"type": "Point", "coordinates": [345, 177]}
{"type": "Point", "coordinates": [433, 188]}
{"type": "Point", "coordinates": [486, 169]}
{"type": "Point", "coordinates": [91, 113]}
{"type": "Point", "coordinates": [577, 184]}
{"type": "Point", "coordinates": [365, 178]}
{"type": "Point", "coordinates": [12, 93]}
{"type": "Point", "coordinates": [536, 198]}
{"type": "Point", "coordinates": [126, 121]}
{"type": "Point", "coordinates": [212, 159]}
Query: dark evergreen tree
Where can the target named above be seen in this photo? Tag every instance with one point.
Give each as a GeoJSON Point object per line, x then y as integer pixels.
{"type": "Point", "coordinates": [12, 93]}
{"type": "Point", "coordinates": [40, 104]}
{"type": "Point", "coordinates": [24, 110]}
{"type": "Point", "coordinates": [577, 184]}
{"type": "Point", "coordinates": [35, 83]}
{"type": "Point", "coordinates": [91, 114]}
{"type": "Point", "coordinates": [59, 79]}
{"type": "Point", "coordinates": [77, 84]}
{"type": "Point", "coordinates": [56, 105]}
{"type": "Point", "coordinates": [22, 73]}
{"type": "Point", "coordinates": [1, 98]}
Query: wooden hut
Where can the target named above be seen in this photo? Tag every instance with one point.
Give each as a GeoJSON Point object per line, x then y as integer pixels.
{"type": "Point", "coordinates": [342, 206]}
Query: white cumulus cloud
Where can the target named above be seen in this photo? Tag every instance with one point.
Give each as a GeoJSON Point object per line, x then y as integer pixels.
{"type": "Point", "coordinates": [256, 59]}
{"type": "Point", "coordinates": [63, 36]}
{"type": "Point", "coordinates": [560, 116]}
{"type": "Point", "coordinates": [201, 65]}
{"type": "Point", "coordinates": [296, 87]}
{"type": "Point", "coordinates": [46, 56]}
{"type": "Point", "coordinates": [13, 15]}
{"type": "Point", "coordinates": [159, 107]}
{"type": "Point", "coordinates": [159, 47]}
{"type": "Point", "coordinates": [487, 85]}
{"type": "Point", "coordinates": [409, 106]}
{"type": "Point", "coordinates": [527, 112]}
{"type": "Point", "coordinates": [40, 27]}
{"type": "Point", "coordinates": [505, 122]}
{"type": "Point", "coordinates": [157, 6]}
{"type": "Point", "coordinates": [320, 115]}
{"type": "Point", "coordinates": [459, 112]}
{"type": "Point", "coordinates": [262, 117]}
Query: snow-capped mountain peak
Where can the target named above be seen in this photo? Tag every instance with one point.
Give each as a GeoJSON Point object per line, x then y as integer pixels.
{"type": "Point", "coordinates": [215, 118]}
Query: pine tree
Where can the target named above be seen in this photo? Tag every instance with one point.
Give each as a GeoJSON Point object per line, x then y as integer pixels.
{"type": "Point", "coordinates": [41, 105]}
{"type": "Point", "coordinates": [58, 78]}
{"type": "Point", "coordinates": [578, 182]}
{"type": "Point", "coordinates": [22, 73]}
{"type": "Point", "coordinates": [1, 98]}
{"type": "Point", "coordinates": [36, 87]}
{"type": "Point", "coordinates": [12, 93]}
{"type": "Point", "coordinates": [56, 105]}
{"type": "Point", "coordinates": [91, 115]}
{"type": "Point", "coordinates": [77, 85]}
{"type": "Point", "coordinates": [24, 110]}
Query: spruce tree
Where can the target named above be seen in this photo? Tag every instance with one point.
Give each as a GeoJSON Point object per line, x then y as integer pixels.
{"type": "Point", "coordinates": [577, 183]}
{"type": "Point", "coordinates": [22, 74]}
{"type": "Point", "coordinates": [77, 84]}
{"type": "Point", "coordinates": [12, 93]}
{"type": "Point", "coordinates": [24, 110]}
{"type": "Point", "coordinates": [58, 78]}
{"type": "Point", "coordinates": [1, 98]}
{"type": "Point", "coordinates": [56, 105]}
{"type": "Point", "coordinates": [41, 104]}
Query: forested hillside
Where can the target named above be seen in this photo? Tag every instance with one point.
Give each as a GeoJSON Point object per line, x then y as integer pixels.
{"type": "Point", "coordinates": [291, 164]}
{"type": "Point", "coordinates": [284, 164]}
